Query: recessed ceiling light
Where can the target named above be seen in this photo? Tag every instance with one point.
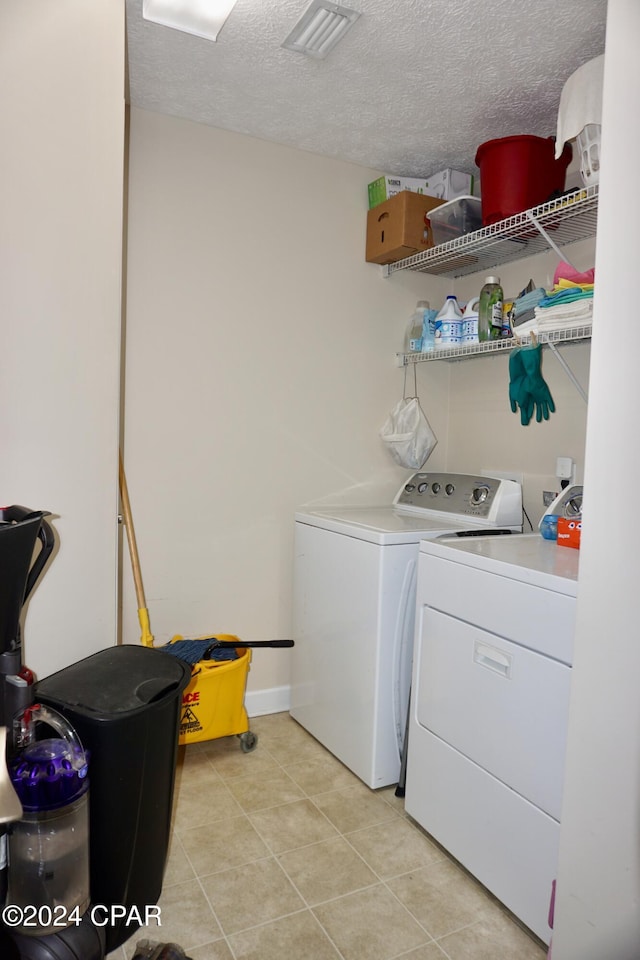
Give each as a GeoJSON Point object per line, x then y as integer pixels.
{"type": "Point", "coordinates": [321, 26]}
{"type": "Point", "coordinates": [202, 18]}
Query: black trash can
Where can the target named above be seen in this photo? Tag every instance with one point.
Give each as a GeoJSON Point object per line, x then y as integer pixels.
{"type": "Point", "coordinates": [124, 703]}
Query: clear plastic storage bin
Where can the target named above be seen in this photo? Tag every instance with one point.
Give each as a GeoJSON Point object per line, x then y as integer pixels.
{"type": "Point", "coordinates": [455, 218]}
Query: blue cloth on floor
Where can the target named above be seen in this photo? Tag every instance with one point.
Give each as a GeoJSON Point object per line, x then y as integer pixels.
{"type": "Point", "coordinates": [192, 651]}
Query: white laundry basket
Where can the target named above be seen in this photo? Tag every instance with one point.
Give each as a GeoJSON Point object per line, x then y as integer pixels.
{"type": "Point", "coordinates": [588, 143]}
{"type": "Point", "coordinates": [580, 117]}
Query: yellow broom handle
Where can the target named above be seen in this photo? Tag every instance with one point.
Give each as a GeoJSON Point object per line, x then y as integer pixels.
{"type": "Point", "coordinates": [131, 538]}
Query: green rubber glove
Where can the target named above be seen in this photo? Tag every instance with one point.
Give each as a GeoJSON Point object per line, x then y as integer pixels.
{"type": "Point", "coordinates": [516, 378]}
{"type": "Point", "coordinates": [534, 383]}
{"type": "Point", "coordinates": [518, 394]}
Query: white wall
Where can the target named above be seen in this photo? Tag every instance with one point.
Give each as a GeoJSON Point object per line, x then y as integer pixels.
{"type": "Point", "coordinates": [597, 912]}
{"type": "Point", "coordinates": [61, 113]}
{"type": "Point", "coordinates": [260, 366]}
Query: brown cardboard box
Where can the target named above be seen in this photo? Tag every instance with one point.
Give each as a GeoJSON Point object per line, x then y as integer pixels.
{"type": "Point", "coordinates": [397, 229]}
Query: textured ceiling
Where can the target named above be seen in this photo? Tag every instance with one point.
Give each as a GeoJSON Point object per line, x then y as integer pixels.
{"type": "Point", "coordinates": [415, 86]}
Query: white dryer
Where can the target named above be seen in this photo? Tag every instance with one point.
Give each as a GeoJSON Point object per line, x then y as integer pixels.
{"type": "Point", "coordinates": [354, 609]}
{"type": "Point", "coordinates": [489, 710]}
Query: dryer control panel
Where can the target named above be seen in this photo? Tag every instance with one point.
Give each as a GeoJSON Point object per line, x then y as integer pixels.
{"type": "Point", "coordinates": [466, 495]}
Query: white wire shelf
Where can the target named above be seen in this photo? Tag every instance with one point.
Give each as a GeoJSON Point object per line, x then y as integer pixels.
{"type": "Point", "coordinates": [492, 347]}
{"type": "Point", "coordinates": [554, 224]}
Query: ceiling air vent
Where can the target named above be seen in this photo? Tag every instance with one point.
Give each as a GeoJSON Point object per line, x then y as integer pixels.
{"type": "Point", "coordinates": [320, 28]}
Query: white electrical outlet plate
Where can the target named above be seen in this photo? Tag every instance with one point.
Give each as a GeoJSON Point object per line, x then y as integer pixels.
{"type": "Point", "coordinates": [565, 468]}
{"type": "Point", "coordinates": [504, 475]}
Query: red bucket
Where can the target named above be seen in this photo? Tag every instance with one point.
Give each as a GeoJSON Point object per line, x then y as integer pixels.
{"type": "Point", "coordinates": [517, 173]}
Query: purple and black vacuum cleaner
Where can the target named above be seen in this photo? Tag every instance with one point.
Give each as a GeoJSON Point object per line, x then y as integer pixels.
{"type": "Point", "coordinates": [84, 813]}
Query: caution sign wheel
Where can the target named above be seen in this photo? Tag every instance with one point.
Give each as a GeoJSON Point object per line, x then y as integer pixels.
{"type": "Point", "coordinates": [248, 741]}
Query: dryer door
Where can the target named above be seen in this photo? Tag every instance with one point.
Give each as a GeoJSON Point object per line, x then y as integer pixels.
{"type": "Point", "coordinates": [499, 704]}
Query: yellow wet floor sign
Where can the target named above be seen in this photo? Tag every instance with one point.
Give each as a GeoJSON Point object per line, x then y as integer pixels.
{"type": "Point", "coordinates": [189, 722]}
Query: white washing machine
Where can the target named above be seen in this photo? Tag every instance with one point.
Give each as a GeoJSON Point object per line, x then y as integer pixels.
{"type": "Point", "coordinates": [354, 610]}
{"type": "Point", "coordinates": [489, 710]}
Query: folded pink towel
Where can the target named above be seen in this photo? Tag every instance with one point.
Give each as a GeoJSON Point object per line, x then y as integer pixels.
{"type": "Point", "coordinates": [564, 271]}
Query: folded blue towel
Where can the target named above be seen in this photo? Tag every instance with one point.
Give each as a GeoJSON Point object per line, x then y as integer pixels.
{"type": "Point", "coordinates": [569, 295]}
{"type": "Point", "coordinates": [527, 301]}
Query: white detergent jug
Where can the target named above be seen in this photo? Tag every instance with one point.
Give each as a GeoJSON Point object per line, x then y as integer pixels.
{"type": "Point", "coordinates": [449, 324]}
{"type": "Point", "coordinates": [470, 321]}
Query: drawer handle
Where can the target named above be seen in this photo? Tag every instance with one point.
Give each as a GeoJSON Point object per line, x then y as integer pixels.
{"type": "Point", "coordinates": [492, 658]}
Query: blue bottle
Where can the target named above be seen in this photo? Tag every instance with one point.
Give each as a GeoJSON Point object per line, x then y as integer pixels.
{"type": "Point", "coordinates": [429, 330]}
{"type": "Point", "coordinates": [413, 337]}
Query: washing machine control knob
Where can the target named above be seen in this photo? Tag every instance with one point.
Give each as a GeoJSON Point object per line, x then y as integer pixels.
{"type": "Point", "coordinates": [435, 487]}
{"type": "Point", "coordinates": [479, 496]}
{"type": "Point", "coordinates": [422, 487]}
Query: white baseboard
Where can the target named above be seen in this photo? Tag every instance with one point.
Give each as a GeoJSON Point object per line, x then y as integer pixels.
{"type": "Point", "coordinates": [261, 702]}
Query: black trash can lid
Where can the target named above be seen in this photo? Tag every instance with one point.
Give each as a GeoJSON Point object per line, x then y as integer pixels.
{"type": "Point", "coordinates": [117, 680]}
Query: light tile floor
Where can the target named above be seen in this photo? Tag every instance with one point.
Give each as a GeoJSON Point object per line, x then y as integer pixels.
{"type": "Point", "coordinates": [283, 854]}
